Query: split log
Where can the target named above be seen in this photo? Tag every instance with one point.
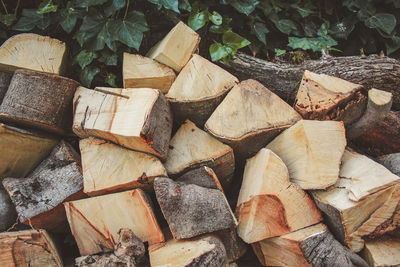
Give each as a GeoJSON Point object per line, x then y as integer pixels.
{"type": "Point", "coordinates": [5, 79]}
{"type": "Point", "coordinates": [202, 176]}
{"type": "Point", "coordinates": [323, 97]}
{"type": "Point", "coordinates": [234, 246]}
{"type": "Point", "coordinates": [381, 139]}
{"type": "Point", "coordinates": [129, 251]}
{"type": "Point", "coordinates": [192, 210]}
{"type": "Point", "coordinates": [378, 107]}
{"type": "Point", "coordinates": [28, 248]}
{"type": "Point", "coordinates": [38, 199]}
{"type": "Point", "coordinates": [364, 203]}
{"type": "Point", "coordinates": [383, 251]}
{"type": "Point", "coordinates": [392, 162]}
{"type": "Point", "coordinates": [138, 119]}
{"type": "Point", "coordinates": [311, 246]}
{"type": "Point", "coordinates": [33, 52]}
{"type": "Point", "coordinates": [312, 151]}
{"type": "Point", "coordinates": [269, 115]}
{"type": "Point", "coordinates": [143, 72]}
{"type": "Point", "coordinates": [265, 207]}
{"type": "Point", "coordinates": [191, 148]}
{"type": "Point", "coordinates": [198, 90]}
{"type": "Point", "coordinates": [283, 78]}
{"type": "Point", "coordinates": [25, 150]}
{"type": "Point", "coordinates": [8, 215]}
{"type": "Point", "coordinates": [108, 168]}
{"type": "Point", "coordinates": [39, 100]}
{"type": "Point", "coordinates": [176, 48]}
{"type": "Point", "coordinates": [201, 251]}
{"type": "Point", "coordinates": [95, 221]}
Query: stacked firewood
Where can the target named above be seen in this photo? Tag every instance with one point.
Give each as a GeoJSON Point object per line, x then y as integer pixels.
{"type": "Point", "coordinates": [188, 166]}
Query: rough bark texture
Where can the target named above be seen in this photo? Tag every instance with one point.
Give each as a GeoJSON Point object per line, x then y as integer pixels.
{"type": "Point", "coordinates": [382, 139]}
{"type": "Point", "coordinates": [203, 176]}
{"type": "Point", "coordinates": [283, 79]}
{"type": "Point", "coordinates": [392, 162]}
{"type": "Point", "coordinates": [191, 210]}
{"type": "Point", "coordinates": [57, 179]}
{"type": "Point", "coordinates": [8, 215]}
{"type": "Point", "coordinates": [39, 100]}
{"type": "Point", "coordinates": [5, 79]}
{"type": "Point", "coordinates": [234, 246]}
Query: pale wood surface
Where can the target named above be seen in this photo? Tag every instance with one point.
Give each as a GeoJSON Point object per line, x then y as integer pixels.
{"type": "Point", "coordinates": [28, 248]}
{"type": "Point", "coordinates": [109, 168]}
{"type": "Point", "coordinates": [95, 221]}
{"type": "Point", "coordinates": [138, 119]}
{"type": "Point", "coordinates": [24, 150]}
{"type": "Point", "coordinates": [176, 48]}
{"type": "Point", "coordinates": [265, 174]}
{"type": "Point", "coordinates": [143, 72]}
{"type": "Point", "coordinates": [312, 151]}
{"type": "Point", "coordinates": [383, 251]}
{"type": "Point", "coordinates": [191, 148]}
{"type": "Point", "coordinates": [33, 52]}
{"type": "Point", "coordinates": [249, 117]}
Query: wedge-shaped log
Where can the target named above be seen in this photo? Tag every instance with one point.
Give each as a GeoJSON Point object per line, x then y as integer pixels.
{"type": "Point", "coordinates": [138, 119]}
{"type": "Point", "coordinates": [311, 246]}
{"type": "Point", "coordinates": [234, 246]}
{"type": "Point", "coordinates": [265, 207]}
{"type": "Point", "coordinates": [364, 203]}
{"type": "Point", "coordinates": [324, 97]}
{"type": "Point", "coordinates": [312, 151]}
{"type": "Point", "coordinates": [198, 90]}
{"type": "Point", "coordinates": [201, 251]}
{"type": "Point", "coordinates": [249, 117]}
{"type": "Point", "coordinates": [8, 215]}
{"type": "Point", "coordinates": [192, 210]}
{"type": "Point", "coordinates": [143, 72]}
{"type": "Point", "coordinates": [109, 168]}
{"type": "Point", "coordinates": [392, 162]}
{"type": "Point", "coordinates": [39, 100]}
{"type": "Point", "coordinates": [382, 251]}
{"type": "Point", "coordinates": [191, 148]}
{"type": "Point", "coordinates": [38, 199]}
{"type": "Point", "coordinates": [25, 150]}
{"type": "Point", "coordinates": [176, 48]}
{"type": "Point", "coordinates": [5, 79]}
{"type": "Point", "coordinates": [33, 52]}
{"type": "Point", "coordinates": [202, 176]}
{"type": "Point", "coordinates": [95, 221]}
{"type": "Point", "coordinates": [28, 248]}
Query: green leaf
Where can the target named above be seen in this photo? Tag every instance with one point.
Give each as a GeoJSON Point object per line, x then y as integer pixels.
{"type": "Point", "coordinates": [244, 6]}
{"type": "Point", "coordinates": [260, 31]}
{"type": "Point", "coordinates": [130, 30]}
{"type": "Point", "coordinates": [110, 79]}
{"type": "Point", "coordinates": [185, 5]}
{"type": "Point", "coordinates": [171, 5]}
{"type": "Point", "coordinates": [29, 19]}
{"type": "Point", "coordinates": [46, 6]}
{"type": "Point", "coordinates": [304, 11]}
{"type": "Point", "coordinates": [218, 51]}
{"type": "Point", "coordinates": [224, 27]}
{"type": "Point", "coordinates": [198, 20]}
{"type": "Point", "coordinates": [215, 18]}
{"type": "Point", "coordinates": [279, 52]}
{"type": "Point", "coordinates": [88, 3]}
{"type": "Point", "coordinates": [114, 6]}
{"type": "Point", "coordinates": [87, 75]}
{"type": "Point", "coordinates": [106, 35]}
{"type": "Point", "coordinates": [84, 58]}
{"type": "Point", "coordinates": [234, 40]}
{"type": "Point", "coordinates": [314, 44]}
{"type": "Point", "coordinates": [108, 58]}
{"type": "Point", "coordinates": [286, 26]}
{"type": "Point", "coordinates": [342, 29]}
{"type": "Point", "coordinates": [91, 26]}
{"type": "Point", "coordinates": [68, 19]}
{"type": "Point", "coordinates": [384, 21]}
{"type": "Point", "coordinates": [393, 45]}
{"type": "Point", "coordinates": [7, 19]}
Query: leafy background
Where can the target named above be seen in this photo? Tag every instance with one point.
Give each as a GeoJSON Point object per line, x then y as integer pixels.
{"type": "Point", "coordinates": [97, 32]}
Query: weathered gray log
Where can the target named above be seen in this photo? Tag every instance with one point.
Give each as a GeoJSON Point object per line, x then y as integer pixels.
{"type": "Point", "coordinates": [5, 79]}
{"type": "Point", "coordinates": [392, 162]}
{"type": "Point", "coordinates": [234, 246]}
{"type": "Point", "coordinates": [202, 176]}
{"type": "Point", "coordinates": [283, 78]}
{"type": "Point", "coordinates": [38, 198]}
{"type": "Point", "coordinates": [8, 215]}
{"type": "Point", "coordinates": [192, 210]}
{"type": "Point", "coordinates": [39, 100]}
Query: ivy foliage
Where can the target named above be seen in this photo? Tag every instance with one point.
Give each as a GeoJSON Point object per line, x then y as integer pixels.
{"type": "Point", "coordinates": [98, 31]}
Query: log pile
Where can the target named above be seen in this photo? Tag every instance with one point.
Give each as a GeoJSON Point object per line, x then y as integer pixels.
{"type": "Point", "coordinates": [189, 166]}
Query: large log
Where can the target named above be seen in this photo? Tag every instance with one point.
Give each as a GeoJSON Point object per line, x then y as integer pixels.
{"type": "Point", "coordinates": [5, 79]}
{"type": "Point", "coordinates": [28, 248]}
{"type": "Point", "coordinates": [8, 214]}
{"type": "Point", "coordinates": [283, 78]}
{"type": "Point", "coordinates": [95, 221]}
{"type": "Point", "coordinates": [202, 176]}
{"type": "Point", "coordinates": [382, 251]}
{"type": "Point", "coordinates": [269, 204]}
{"type": "Point", "coordinates": [138, 119]}
{"type": "Point", "coordinates": [311, 246]}
{"type": "Point", "coordinates": [109, 168]}
{"type": "Point", "coordinates": [249, 117]}
{"type": "Point", "coordinates": [198, 90]}
{"type": "Point", "coordinates": [364, 203]}
{"type": "Point", "coordinates": [33, 52]}
{"type": "Point", "coordinates": [39, 100]}
{"type": "Point", "coordinates": [24, 150]}
{"type": "Point", "coordinates": [192, 210]}
{"type": "Point", "coordinates": [38, 199]}
{"type": "Point", "coordinates": [234, 245]}
{"type": "Point", "coordinates": [312, 151]}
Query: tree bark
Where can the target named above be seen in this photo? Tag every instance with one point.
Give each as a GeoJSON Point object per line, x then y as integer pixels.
{"type": "Point", "coordinates": [382, 73]}
{"type": "Point", "coordinates": [5, 79]}
{"type": "Point", "coordinates": [8, 215]}
{"type": "Point", "coordinates": [392, 162]}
